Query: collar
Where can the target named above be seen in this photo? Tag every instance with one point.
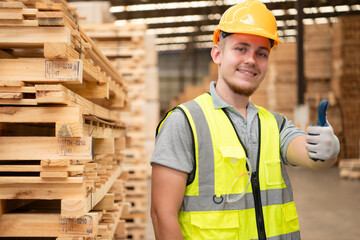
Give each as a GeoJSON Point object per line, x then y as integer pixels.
{"type": "Point", "coordinates": [220, 103]}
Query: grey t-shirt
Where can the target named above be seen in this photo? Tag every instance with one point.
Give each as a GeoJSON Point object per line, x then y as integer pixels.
{"type": "Point", "coordinates": [174, 144]}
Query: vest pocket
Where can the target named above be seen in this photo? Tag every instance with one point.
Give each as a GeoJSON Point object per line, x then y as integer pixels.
{"type": "Point", "coordinates": [273, 172]}
{"type": "Point", "coordinates": [290, 217]}
{"type": "Point", "coordinates": [215, 225]}
{"type": "Point", "coordinates": [228, 167]}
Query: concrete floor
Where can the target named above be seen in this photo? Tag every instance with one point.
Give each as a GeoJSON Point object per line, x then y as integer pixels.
{"type": "Point", "coordinates": [328, 206]}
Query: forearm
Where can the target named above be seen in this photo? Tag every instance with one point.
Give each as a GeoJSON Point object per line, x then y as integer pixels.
{"type": "Point", "coordinates": [297, 154]}
{"type": "Point", "coordinates": [167, 192]}
{"type": "Point", "coordinates": [166, 227]}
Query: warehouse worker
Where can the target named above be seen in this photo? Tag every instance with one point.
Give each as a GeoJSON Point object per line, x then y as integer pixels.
{"type": "Point", "coordinates": [218, 165]}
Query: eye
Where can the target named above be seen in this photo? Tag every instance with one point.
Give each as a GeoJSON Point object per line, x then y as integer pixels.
{"type": "Point", "coordinates": [263, 54]}
{"type": "Point", "coordinates": [240, 49]}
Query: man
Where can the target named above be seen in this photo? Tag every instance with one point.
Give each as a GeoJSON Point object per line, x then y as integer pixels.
{"type": "Point", "coordinates": [218, 165]}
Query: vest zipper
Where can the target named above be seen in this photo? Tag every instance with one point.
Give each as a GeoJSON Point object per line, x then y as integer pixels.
{"type": "Point", "coordinates": [257, 196]}
{"type": "Point", "coordinates": [254, 183]}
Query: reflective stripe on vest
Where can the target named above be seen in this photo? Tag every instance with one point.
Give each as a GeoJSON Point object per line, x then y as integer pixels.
{"type": "Point", "coordinates": [219, 159]}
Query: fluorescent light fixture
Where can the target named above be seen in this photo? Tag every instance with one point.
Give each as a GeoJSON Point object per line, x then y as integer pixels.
{"type": "Point", "coordinates": [355, 7]}
{"type": "Point", "coordinates": [208, 28]}
{"type": "Point", "coordinates": [187, 18]}
{"type": "Point", "coordinates": [116, 9]}
{"type": "Point", "coordinates": [205, 38]}
{"type": "Point", "coordinates": [321, 20]}
{"type": "Point", "coordinates": [311, 10]}
{"type": "Point", "coordinates": [159, 31]}
{"type": "Point", "coordinates": [162, 6]}
{"type": "Point", "coordinates": [172, 40]}
{"type": "Point", "coordinates": [290, 32]}
{"type": "Point", "coordinates": [342, 8]}
{"type": "Point", "coordinates": [291, 22]}
{"type": "Point", "coordinates": [292, 11]}
{"type": "Point", "coordinates": [328, 9]}
{"type": "Point", "coordinates": [172, 47]}
{"type": "Point", "coordinates": [278, 12]}
{"type": "Point", "coordinates": [308, 21]}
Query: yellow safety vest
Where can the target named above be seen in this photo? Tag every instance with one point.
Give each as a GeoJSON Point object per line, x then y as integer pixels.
{"type": "Point", "coordinates": [267, 211]}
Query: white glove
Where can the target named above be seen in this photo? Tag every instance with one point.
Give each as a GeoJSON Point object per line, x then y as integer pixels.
{"type": "Point", "coordinates": [321, 143]}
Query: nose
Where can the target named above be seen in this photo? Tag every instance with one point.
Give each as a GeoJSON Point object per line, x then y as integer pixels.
{"type": "Point", "coordinates": [250, 58]}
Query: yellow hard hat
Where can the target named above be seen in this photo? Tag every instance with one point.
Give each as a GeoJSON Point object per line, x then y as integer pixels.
{"type": "Point", "coordinates": [250, 17]}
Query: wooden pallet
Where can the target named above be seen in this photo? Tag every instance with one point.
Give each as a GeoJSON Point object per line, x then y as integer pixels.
{"type": "Point", "coordinates": [69, 55]}
{"type": "Point", "coordinates": [350, 169]}
{"type": "Point", "coordinates": [100, 224]}
{"type": "Point", "coordinates": [72, 114]}
{"type": "Point", "coordinates": [48, 225]}
{"type": "Point", "coordinates": [80, 185]}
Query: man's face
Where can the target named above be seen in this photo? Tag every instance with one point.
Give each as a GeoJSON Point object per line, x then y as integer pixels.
{"type": "Point", "coordinates": [243, 61]}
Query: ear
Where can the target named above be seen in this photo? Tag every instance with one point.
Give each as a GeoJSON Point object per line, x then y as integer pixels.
{"type": "Point", "coordinates": [216, 54]}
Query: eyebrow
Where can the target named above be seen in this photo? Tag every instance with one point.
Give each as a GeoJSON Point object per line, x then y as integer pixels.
{"type": "Point", "coordinates": [248, 45]}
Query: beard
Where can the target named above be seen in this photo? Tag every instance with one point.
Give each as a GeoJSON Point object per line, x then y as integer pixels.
{"type": "Point", "coordinates": [245, 91]}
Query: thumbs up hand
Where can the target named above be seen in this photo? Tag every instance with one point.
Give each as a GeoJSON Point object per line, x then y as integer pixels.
{"type": "Point", "coordinates": [321, 142]}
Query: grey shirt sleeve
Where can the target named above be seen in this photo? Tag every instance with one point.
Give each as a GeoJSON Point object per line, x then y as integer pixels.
{"type": "Point", "coordinates": [174, 143]}
{"type": "Point", "coordinates": [288, 132]}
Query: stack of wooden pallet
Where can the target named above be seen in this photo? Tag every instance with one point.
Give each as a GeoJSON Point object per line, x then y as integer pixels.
{"type": "Point", "coordinates": [346, 79]}
{"type": "Point", "coordinates": [136, 58]}
{"type": "Point", "coordinates": [61, 135]}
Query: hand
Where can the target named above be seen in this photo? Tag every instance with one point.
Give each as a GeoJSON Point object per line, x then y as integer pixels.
{"type": "Point", "coordinates": [321, 143]}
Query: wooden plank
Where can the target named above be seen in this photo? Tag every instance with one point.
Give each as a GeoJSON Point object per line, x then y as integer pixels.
{"type": "Point", "coordinates": [30, 12]}
{"type": "Point", "coordinates": [20, 89]}
{"type": "Point", "coordinates": [42, 190]}
{"type": "Point", "coordinates": [88, 107]}
{"type": "Point", "coordinates": [101, 60]}
{"type": "Point", "coordinates": [118, 96]}
{"type": "Point", "coordinates": [49, 14]}
{"type": "Point", "coordinates": [11, 14]}
{"type": "Point", "coordinates": [35, 148]}
{"type": "Point", "coordinates": [51, 22]}
{"type": "Point", "coordinates": [28, 102]}
{"type": "Point", "coordinates": [32, 180]}
{"type": "Point", "coordinates": [56, 163]}
{"type": "Point", "coordinates": [104, 146]}
{"type": "Point", "coordinates": [61, 50]}
{"type": "Point", "coordinates": [54, 175]}
{"type": "Point", "coordinates": [10, 95]}
{"type": "Point", "coordinates": [74, 207]}
{"type": "Point", "coordinates": [101, 192]}
{"type": "Point", "coordinates": [12, 5]}
{"type": "Point", "coordinates": [32, 36]}
{"type": "Point", "coordinates": [39, 168]}
{"type": "Point", "coordinates": [107, 203]}
{"type": "Point", "coordinates": [91, 90]}
{"type": "Point", "coordinates": [40, 114]}
{"type": "Point", "coordinates": [41, 70]}
{"type": "Point", "coordinates": [19, 23]}
{"type": "Point", "coordinates": [48, 225]}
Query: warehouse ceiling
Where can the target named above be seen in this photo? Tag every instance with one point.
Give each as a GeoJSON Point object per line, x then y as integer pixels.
{"type": "Point", "coordinates": [180, 24]}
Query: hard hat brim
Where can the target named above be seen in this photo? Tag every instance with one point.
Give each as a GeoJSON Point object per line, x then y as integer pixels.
{"type": "Point", "coordinates": [247, 30]}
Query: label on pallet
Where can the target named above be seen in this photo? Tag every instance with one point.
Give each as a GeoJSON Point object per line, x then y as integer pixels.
{"type": "Point", "coordinates": [63, 69]}
{"type": "Point", "coordinates": [83, 226]}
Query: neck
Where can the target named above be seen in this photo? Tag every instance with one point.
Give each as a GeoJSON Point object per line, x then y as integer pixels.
{"type": "Point", "coordinates": [239, 101]}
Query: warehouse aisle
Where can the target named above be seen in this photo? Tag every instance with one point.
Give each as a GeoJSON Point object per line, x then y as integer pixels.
{"type": "Point", "coordinates": [328, 206]}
